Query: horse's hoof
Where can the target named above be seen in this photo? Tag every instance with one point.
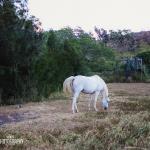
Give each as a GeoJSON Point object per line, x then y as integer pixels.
{"type": "Point", "coordinates": [75, 112]}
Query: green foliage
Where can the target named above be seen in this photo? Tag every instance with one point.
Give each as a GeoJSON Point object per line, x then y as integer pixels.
{"type": "Point", "coordinates": [145, 55]}
{"type": "Point", "coordinates": [19, 43]}
{"type": "Point", "coordinates": [67, 53]}
{"type": "Point", "coordinates": [54, 65]}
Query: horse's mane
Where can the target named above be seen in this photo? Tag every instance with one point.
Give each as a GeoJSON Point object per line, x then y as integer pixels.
{"type": "Point", "coordinates": [106, 89]}
{"type": "Point", "coordinates": [96, 76]}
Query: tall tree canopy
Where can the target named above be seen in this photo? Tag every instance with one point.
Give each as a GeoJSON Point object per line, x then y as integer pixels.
{"type": "Point", "coordinates": [19, 42]}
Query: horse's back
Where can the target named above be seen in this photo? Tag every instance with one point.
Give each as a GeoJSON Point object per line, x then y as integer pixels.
{"type": "Point", "coordinates": [94, 78]}
{"type": "Point", "coordinates": [88, 84]}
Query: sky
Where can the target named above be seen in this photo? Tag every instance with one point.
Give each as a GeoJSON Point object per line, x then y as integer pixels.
{"type": "Point", "coordinates": [107, 14]}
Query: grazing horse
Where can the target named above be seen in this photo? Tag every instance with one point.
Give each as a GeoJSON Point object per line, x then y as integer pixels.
{"type": "Point", "coordinates": [93, 85]}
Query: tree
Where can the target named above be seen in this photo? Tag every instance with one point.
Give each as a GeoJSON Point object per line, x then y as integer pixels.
{"type": "Point", "coordinates": [122, 40]}
{"type": "Point", "coordinates": [19, 42]}
{"type": "Point", "coordinates": [102, 35]}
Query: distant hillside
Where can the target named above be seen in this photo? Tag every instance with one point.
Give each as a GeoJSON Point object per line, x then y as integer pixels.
{"type": "Point", "coordinates": [143, 36]}
{"type": "Point", "coordinates": [129, 41]}
{"type": "Point", "coordinates": [123, 40]}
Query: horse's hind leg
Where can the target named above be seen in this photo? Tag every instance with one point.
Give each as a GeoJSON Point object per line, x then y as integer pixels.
{"type": "Point", "coordinates": [74, 103]}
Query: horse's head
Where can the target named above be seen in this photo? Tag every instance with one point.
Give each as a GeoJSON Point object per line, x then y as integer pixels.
{"type": "Point", "coordinates": [105, 103]}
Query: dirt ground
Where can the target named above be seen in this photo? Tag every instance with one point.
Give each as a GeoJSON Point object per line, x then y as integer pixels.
{"type": "Point", "coordinates": [56, 114]}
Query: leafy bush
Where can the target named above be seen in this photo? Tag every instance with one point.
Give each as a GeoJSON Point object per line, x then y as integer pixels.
{"type": "Point", "coordinates": [145, 56]}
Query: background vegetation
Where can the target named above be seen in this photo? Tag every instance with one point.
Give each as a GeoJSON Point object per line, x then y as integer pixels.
{"type": "Point", "coordinates": [34, 63]}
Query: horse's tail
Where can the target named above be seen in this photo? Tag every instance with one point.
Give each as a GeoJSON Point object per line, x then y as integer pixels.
{"type": "Point", "coordinates": [67, 85]}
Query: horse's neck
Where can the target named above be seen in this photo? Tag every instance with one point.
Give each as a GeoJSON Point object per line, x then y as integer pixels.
{"type": "Point", "coordinates": [105, 91]}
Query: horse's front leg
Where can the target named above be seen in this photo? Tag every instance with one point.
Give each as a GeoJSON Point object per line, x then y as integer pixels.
{"type": "Point", "coordinates": [90, 100]}
{"type": "Point", "coordinates": [95, 100]}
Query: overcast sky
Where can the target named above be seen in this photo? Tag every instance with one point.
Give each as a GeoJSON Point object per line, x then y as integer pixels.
{"type": "Point", "coordinates": [107, 14]}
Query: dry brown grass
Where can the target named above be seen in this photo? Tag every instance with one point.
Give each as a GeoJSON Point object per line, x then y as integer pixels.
{"type": "Point", "coordinates": [51, 125]}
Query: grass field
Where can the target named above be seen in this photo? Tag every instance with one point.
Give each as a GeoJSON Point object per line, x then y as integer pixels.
{"type": "Point", "coordinates": [51, 125]}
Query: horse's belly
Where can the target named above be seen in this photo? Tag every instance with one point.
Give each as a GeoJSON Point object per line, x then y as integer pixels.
{"type": "Point", "coordinates": [90, 87]}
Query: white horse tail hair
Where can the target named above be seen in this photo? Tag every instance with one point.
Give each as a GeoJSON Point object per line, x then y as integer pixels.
{"type": "Point", "coordinates": [67, 85]}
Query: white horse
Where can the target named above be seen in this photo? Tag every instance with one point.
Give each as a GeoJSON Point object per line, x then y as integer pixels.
{"type": "Point", "coordinates": [93, 85]}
